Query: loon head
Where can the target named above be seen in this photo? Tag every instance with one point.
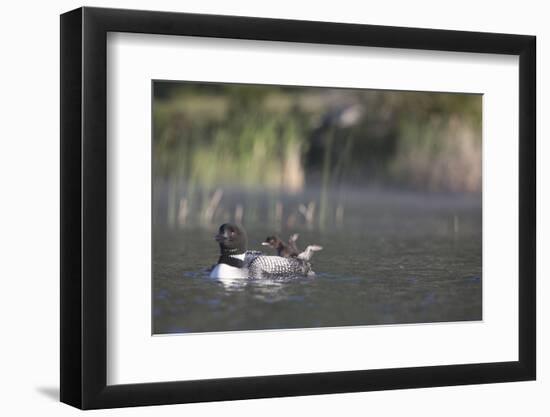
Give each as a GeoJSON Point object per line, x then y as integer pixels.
{"type": "Point", "coordinates": [232, 239]}
{"type": "Point", "coordinates": [273, 242]}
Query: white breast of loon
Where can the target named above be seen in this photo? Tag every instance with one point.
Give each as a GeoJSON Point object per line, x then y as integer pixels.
{"type": "Point", "coordinates": [227, 271]}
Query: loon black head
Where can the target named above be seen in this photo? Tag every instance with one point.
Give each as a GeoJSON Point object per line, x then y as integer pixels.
{"type": "Point", "coordinates": [232, 239]}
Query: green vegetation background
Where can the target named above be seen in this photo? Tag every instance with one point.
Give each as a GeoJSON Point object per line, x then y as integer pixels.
{"type": "Point", "coordinates": [209, 136]}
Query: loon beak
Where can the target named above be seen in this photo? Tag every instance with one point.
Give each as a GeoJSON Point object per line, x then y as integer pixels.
{"type": "Point", "coordinates": [265, 244]}
{"type": "Point", "coordinates": [219, 238]}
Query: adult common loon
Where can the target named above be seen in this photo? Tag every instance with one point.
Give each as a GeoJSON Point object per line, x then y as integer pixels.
{"type": "Point", "coordinates": [237, 262]}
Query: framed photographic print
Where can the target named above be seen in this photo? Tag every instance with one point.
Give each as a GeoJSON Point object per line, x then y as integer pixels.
{"type": "Point", "coordinates": [257, 207]}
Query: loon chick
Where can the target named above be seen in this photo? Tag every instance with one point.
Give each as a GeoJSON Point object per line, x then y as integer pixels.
{"type": "Point", "coordinates": [292, 242]}
{"type": "Point", "coordinates": [236, 262]}
{"type": "Point", "coordinates": [285, 250]}
{"type": "Point", "coordinates": [291, 250]}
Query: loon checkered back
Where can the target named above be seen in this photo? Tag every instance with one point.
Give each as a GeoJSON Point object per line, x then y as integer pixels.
{"type": "Point", "coordinates": [263, 266]}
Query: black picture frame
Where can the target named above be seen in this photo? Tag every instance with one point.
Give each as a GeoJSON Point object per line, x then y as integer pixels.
{"type": "Point", "coordinates": [84, 207]}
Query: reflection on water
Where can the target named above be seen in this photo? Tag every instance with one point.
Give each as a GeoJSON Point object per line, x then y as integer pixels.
{"type": "Point", "coordinates": [396, 259]}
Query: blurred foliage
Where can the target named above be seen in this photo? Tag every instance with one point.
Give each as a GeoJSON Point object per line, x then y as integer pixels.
{"type": "Point", "coordinates": [284, 139]}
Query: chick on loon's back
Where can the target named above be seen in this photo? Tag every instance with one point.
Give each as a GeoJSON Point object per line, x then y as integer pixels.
{"type": "Point", "coordinates": [236, 262]}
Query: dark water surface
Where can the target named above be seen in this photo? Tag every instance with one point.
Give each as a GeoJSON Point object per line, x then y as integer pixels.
{"type": "Point", "coordinates": [395, 259]}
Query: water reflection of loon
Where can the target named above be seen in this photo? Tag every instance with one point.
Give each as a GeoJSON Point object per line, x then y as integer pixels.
{"type": "Point", "coordinates": [237, 262]}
